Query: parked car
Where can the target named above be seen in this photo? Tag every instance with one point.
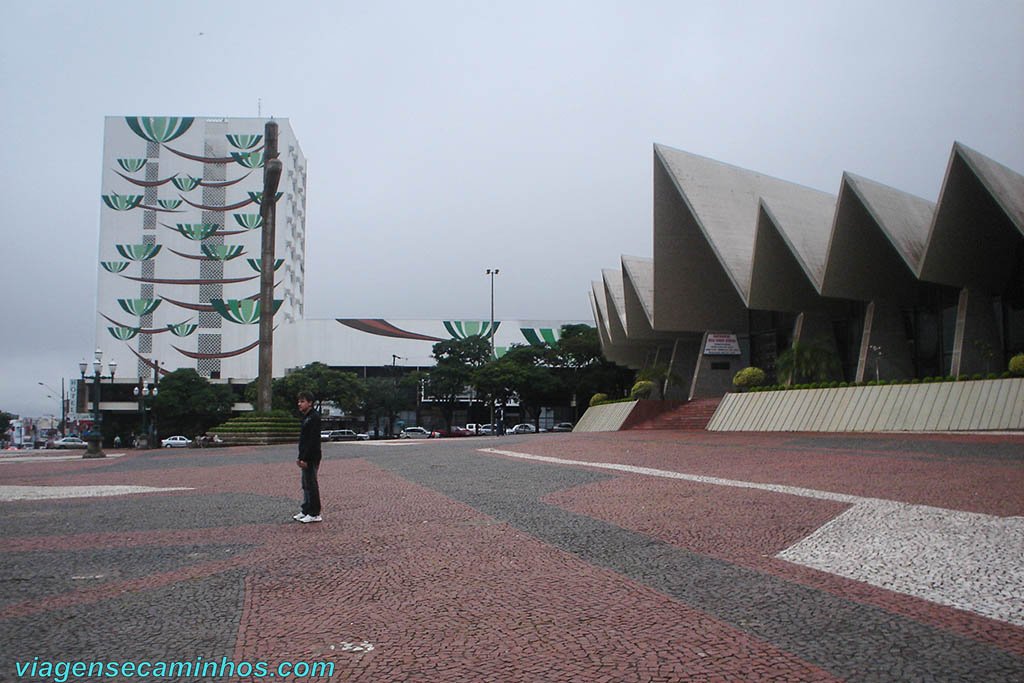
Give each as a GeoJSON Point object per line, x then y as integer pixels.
{"type": "Point", "coordinates": [69, 442]}
{"type": "Point", "coordinates": [454, 431]}
{"type": "Point", "coordinates": [325, 435]}
{"type": "Point", "coordinates": [343, 435]}
{"type": "Point", "coordinates": [362, 436]}
{"type": "Point", "coordinates": [474, 428]}
{"type": "Point", "coordinates": [486, 429]}
{"type": "Point", "coordinates": [523, 428]}
{"type": "Point", "coordinates": [562, 427]}
{"type": "Point", "coordinates": [176, 442]}
{"type": "Point", "coordinates": [415, 433]}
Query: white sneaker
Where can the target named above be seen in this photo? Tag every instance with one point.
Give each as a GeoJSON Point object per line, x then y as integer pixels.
{"type": "Point", "coordinates": [306, 519]}
{"type": "Point", "coordinates": [298, 517]}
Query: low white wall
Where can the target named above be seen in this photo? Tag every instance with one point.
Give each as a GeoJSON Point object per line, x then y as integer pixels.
{"type": "Point", "coordinates": [606, 418]}
{"type": "Point", "coordinates": [944, 406]}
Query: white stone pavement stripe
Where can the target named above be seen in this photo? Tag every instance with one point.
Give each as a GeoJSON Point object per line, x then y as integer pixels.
{"type": "Point", "coordinates": [8, 493]}
{"type": "Point", "coordinates": [55, 458]}
{"type": "Point", "coordinates": [965, 560]}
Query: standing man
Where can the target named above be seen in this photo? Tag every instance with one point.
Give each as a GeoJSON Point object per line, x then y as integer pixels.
{"type": "Point", "coordinates": [309, 460]}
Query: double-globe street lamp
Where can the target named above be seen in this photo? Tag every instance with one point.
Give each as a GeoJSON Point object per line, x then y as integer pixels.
{"type": "Point", "coordinates": [144, 394]}
{"type": "Point", "coordinates": [94, 437]}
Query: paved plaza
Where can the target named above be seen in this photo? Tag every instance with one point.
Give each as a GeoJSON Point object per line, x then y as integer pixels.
{"type": "Point", "coordinates": [633, 556]}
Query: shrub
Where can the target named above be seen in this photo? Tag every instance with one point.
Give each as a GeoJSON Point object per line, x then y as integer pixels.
{"type": "Point", "coordinates": [642, 389]}
{"type": "Point", "coordinates": [1016, 366]}
{"type": "Point", "coordinates": [598, 398]}
{"type": "Point", "coordinates": [748, 378]}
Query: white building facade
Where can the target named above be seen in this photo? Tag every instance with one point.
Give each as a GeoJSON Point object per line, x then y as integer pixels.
{"type": "Point", "coordinates": [179, 246]}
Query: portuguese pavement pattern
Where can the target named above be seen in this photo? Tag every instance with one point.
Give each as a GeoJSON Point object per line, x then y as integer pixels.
{"type": "Point", "coordinates": [644, 556]}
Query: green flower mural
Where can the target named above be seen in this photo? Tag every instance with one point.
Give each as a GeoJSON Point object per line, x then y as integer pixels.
{"type": "Point", "coordinates": [186, 184]}
{"type": "Point", "coordinates": [159, 128]}
{"type": "Point", "coordinates": [257, 264]}
{"type": "Point", "coordinates": [123, 333]}
{"type": "Point", "coordinates": [460, 329]}
{"type": "Point", "coordinates": [257, 197]}
{"type": "Point", "coordinates": [540, 336]}
{"type": "Point", "coordinates": [132, 165]}
{"type": "Point", "coordinates": [114, 266]}
{"type": "Point", "coordinates": [244, 141]}
{"type": "Point", "coordinates": [223, 252]}
{"type": "Point", "coordinates": [248, 159]}
{"type": "Point", "coordinates": [249, 221]}
{"type": "Point", "coordinates": [138, 252]}
{"type": "Point", "coordinates": [183, 329]}
{"type": "Point", "coordinates": [169, 204]}
{"type": "Point", "coordinates": [122, 202]}
{"type": "Point", "coordinates": [138, 306]}
{"type": "Point", "coordinates": [241, 311]}
{"type": "Point", "coordinates": [197, 231]}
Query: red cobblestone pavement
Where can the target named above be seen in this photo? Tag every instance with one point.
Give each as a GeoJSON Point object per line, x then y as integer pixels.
{"type": "Point", "coordinates": [448, 590]}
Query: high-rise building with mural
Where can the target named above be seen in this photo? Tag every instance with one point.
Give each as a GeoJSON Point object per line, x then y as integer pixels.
{"type": "Point", "coordinates": [179, 248]}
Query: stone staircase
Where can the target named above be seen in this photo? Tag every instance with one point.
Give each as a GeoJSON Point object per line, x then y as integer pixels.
{"type": "Point", "coordinates": [692, 415]}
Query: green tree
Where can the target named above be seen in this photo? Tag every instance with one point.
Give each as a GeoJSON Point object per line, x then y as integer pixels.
{"type": "Point", "coordinates": [585, 371]}
{"type": "Point", "coordinates": [383, 397]}
{"type": "Point", "coordinates": [809, 361]}
{"type": "Point", "coordinates": [456, 360]}
{"type": "Point", "coordinates": [445, 383]}
{"type": "Point", "coordinates": [535, 382]}
{"type": "Point", "coordinates": [189, 404]}
{"type": "Point", "coordinates": [324, 382]}
{"type": "Point", "coordinates": [5, 422]}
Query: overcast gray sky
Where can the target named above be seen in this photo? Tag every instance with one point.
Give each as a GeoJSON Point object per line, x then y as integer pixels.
{"type": "Point", "coordinates": [445, 137]}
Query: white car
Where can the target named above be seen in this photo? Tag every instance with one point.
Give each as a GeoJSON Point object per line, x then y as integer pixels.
{"type": "Point", "coordinates": [69, 442]}
{"type": "Point", "coordinates": [176, 442]}
{"type": "Point", "coordinates": [325, 435]}
{"type": "Point", "coordinates": [414, 433]}
{"type": "Point", "coordinates": [524, 428]}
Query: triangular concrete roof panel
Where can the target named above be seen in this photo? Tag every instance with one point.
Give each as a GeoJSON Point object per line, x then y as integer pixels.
{"type": "Point", "coordinates": [724, 199]}
{"type": "Point", "coordinates": [903, 217]}
{"type": "Point", "coordinates": [639, 271]}
{"type": "Point", "coordinates": [978, 223]}
{"type": "Point", "coordinates": [614, 291]}
{"type": "Point", "coordinates": [804, 219]}
{"type": "Point", "coordinates": [1005, 184]}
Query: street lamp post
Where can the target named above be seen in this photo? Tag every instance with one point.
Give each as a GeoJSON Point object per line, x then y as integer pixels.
{"type": "Point", "coordinates": [95, 437]}
{"type": "Point", "coordinates": [143, 393]}
{"type": "Point", "coordinates": [63, 405]}
{"type": "Point", "coordinates": [492, 272]}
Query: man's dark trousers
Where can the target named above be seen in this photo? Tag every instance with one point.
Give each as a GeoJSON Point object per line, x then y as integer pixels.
{"type": "Point", "coordinates": [311, 490]}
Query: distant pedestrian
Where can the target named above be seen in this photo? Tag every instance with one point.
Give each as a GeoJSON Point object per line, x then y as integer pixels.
{"type": "Point", "coordinates": [309, 460]}
{"type": "Point", "coordinates": [117, 441]}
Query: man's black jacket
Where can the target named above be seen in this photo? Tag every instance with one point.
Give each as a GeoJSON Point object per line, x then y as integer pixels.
{"type": "Point", "coordinates": [309, 437]}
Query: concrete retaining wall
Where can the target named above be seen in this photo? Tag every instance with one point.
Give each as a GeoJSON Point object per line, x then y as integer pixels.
{"type": "Point", "coordinates": [945, 406]}
{"type": "Point", "coordinates": [607, 418]}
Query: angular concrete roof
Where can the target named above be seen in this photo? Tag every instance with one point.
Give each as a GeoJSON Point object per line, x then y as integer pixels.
{"type": "Point", "coordinates": [977, 224]}
{"type": "Point", "coordinates": [877, 240]}
{"type": "Point", "coordinates": [638, 288]}
{"type": "Point", "coordinates": [625, 352]}
{"type": "Point", "coordinates": [727, 240]}
{"type": "Point", "coordinates": [724, 200]}
{"type": "Point", "coordinates": [614, 295]}
{"type": "Point", "coordinates": [789, 250]}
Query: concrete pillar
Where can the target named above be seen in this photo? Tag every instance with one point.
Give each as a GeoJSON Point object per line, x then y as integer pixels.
{"type": "Point", "coordinates": [884, 340]}
{"type": "Point", "coordinates": [977, 348]}
{"type": "Point", "coordinates": [714, 372]}
{"type": "Point", "coordinates": [685, 354]}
